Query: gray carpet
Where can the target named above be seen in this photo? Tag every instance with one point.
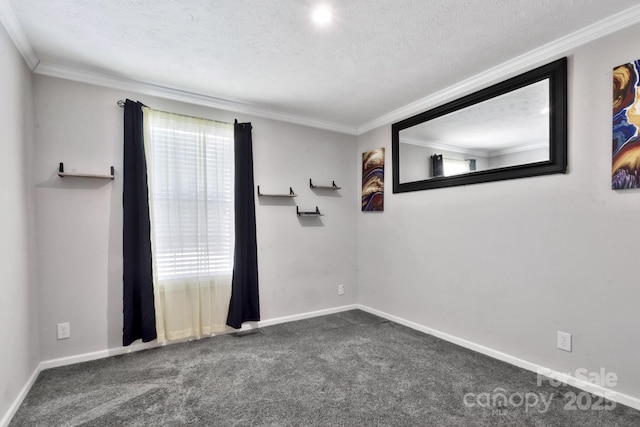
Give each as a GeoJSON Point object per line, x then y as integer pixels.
{"type": "Point", "coordinates": [347, 369]}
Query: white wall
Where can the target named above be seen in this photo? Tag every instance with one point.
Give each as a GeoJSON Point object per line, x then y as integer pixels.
{"type": "Point", "coordinates": [19, 353]}
{"type": "Point", "coordinates": [415, 162]}
{"type": "Point", "coordinates": [79, 222]}
{"type": "Point", "coordinates": [508, 264]}
{"type": "Point", "coordinates": [503, 264]}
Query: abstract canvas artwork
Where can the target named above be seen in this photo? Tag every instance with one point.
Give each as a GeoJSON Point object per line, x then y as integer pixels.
{"type": "Point", "coordinates": [373, 180]}
{"type": "Point", "coordinates": [626, 123]}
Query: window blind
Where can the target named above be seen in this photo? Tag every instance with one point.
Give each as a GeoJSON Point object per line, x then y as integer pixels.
{"type": "Point", "coordinates": [191, 193]}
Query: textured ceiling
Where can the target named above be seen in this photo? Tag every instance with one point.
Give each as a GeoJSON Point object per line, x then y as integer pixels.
{"type": "Point", "coordinates": [376, 56]}
{"type": "Point", "coordinates": [506, 121]}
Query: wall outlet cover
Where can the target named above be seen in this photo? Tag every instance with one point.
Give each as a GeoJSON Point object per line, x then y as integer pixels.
{"type": "Point", "coordinates": [64, 331]}
{"type": "Point", "coordinates": [564, 341]}
{"type": "Point", "coordinates": [340, 289]}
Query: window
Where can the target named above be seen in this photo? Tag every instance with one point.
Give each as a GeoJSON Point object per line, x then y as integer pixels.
{"type": "Point", "coordinates": [457, 166]}
{"type": "Point", "coordinates": [190, 169]}
{"type": "Point", "coordinates": [443, 166]}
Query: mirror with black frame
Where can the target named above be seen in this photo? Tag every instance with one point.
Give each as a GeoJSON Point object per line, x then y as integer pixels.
{"type": "Point", "coordinates": [514, 129]}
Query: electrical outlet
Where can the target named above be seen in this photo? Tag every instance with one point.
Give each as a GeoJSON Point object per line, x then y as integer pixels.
{"type": "Point", "coordinates": [564, 341]}
{"type": "Point", "coordinates": [64, 331]}
{"type": "Point", "coordinates": [340, 289]}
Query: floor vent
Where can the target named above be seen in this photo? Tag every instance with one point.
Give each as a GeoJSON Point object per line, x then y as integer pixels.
{"type": "Point", "coordinates": [247, 333]}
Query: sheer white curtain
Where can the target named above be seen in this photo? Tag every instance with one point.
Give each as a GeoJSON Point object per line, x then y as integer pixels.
{"type": "Point", "coordinates": [190, 179]}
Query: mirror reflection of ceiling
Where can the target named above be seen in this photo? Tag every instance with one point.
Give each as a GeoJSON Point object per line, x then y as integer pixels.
{"type": "Point", "coordinates": [517, 119]}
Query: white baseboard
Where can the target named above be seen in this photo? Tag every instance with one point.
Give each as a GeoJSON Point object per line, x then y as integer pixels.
{"type": "Point", "coordinates": [624, 399]}
{"type": "Point", "coordinates": [116, 351]}
{"type": "Point", "coordinates": [18, 400]}
{"type": "Point", "coordinates": [85, 357]}
{"type": "Point", "coordinates": [621, 398]}
{"type": "Point", "coordinates": [308, 315]}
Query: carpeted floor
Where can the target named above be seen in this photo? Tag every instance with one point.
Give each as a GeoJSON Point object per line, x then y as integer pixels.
{"type": "Point", "coordinates": [346, 369]}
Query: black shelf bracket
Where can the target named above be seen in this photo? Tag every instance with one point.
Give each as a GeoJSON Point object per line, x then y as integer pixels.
{"type": "Point", "coordinates": [308, 213]}
{"type": "Point", "coordinates": [333, 186]}
{"type": "Point", "coordinates": [291, 193]}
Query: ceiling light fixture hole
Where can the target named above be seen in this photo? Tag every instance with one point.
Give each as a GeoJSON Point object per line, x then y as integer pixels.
{"type": "Point", "coordinates": [321, 15]}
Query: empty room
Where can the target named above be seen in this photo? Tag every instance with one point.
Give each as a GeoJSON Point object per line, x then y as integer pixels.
{"type": "Point", "coordinates": [319, 213]}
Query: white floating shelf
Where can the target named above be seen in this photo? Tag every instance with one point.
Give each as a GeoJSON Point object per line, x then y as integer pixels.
{"type": "Point", "coordinates": [62, 174]}
{"type": "Point", "coordinates": [291, 193]}
{"type": "Point", "coordinates": [323, 187]}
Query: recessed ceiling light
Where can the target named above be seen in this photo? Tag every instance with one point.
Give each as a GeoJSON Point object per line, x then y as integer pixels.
{"type": "Point", "coordinates": [321, 15]}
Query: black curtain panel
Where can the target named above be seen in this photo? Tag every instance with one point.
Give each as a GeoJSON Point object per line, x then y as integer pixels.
{"type": "Point", "coordinates": [245, 302]}
{"type": "Point", "coordinates": [139, 312]}
{"type": "Point", "coordinates": [437, 165]}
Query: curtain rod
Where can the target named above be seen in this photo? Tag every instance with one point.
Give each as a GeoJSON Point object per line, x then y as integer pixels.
{"type": "Point", "coordinates": [121, 105]}
{"type": "Point", "coordinates": [459, 160]}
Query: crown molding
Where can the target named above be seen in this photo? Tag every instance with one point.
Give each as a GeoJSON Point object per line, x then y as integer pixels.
{"type": "Point", "coordinates": [538, 56]}
{"type": "Point", "coordinates": [177, 94]}
{"type": "Point", "coordinates": [518, 149]}
{"type": "Point", "coordinates": [438, 145]}
{"type": "Point", "coordinates": [11, 24]}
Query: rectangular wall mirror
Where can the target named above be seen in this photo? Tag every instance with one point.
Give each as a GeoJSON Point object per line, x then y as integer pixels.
{"type": "Point", "coordinates": [514, 129]}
